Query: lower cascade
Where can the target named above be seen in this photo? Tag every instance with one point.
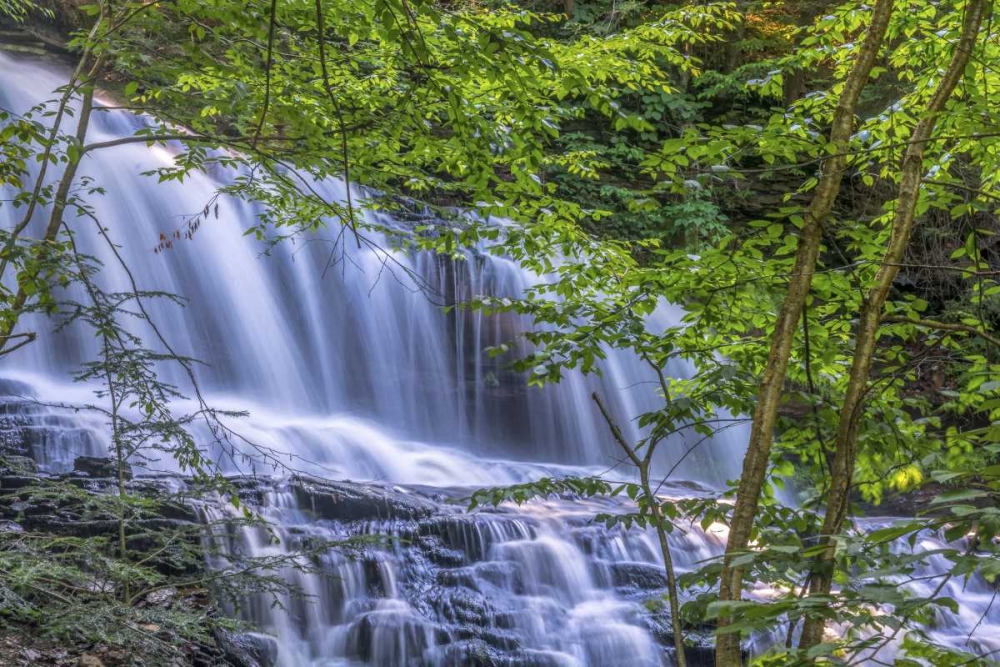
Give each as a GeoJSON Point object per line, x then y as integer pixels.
{"type": "Point", "coordinates": [537, 586]}
{"type": "Point", "coordinates": [352, 377]}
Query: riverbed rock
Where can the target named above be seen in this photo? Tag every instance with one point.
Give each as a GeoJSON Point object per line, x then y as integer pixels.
{"type": "Point", "coordinates": [161, 598]}
{"type": "Point", "coordinates": [99, 466]}
{"type": "Point", "coordinates": [246, 649]}
{"type": "Point", "coordinates": [642, 576]}
{"type": "Point", "coordinates": [13, 464]}
{"type": "Point", "coordinates": [468, 653]}
{"type": "Point", "coordinates": [340, 501]}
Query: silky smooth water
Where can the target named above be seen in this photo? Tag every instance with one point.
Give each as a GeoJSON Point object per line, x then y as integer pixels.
{"type": "Point", "coordinates": [358, 355]}
{"type": "Point", "coordinates": [356, 374]}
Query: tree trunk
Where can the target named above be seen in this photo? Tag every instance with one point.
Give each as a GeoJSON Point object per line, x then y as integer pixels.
{"type": "Point", "coordinates": [58, 204]}
{"type": "Point", "coordinates": [673, 595]}
{"type": "Point", "coordinates": [866, 336]}
{"type": "Point", "coordinates": [71, 87]}
{"type": "Point", "coordinates": [643, 464]}
{"type": "Point", "coordinates": [755, 462]}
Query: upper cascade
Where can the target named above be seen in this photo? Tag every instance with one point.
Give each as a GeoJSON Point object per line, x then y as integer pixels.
{"type": "Point", "coordinates": [353, 370]}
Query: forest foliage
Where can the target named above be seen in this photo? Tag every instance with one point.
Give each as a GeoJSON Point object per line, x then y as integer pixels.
{"type": "Point", "coordinates": [638, 153]}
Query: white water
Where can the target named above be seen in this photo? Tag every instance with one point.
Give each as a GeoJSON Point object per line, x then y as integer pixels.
{"type": "Point", "coordinates": [356, 359]}
{"type": "Point", "coordinates": [355, 376]}
{"type": "Point", "coordinates": [358, 377]}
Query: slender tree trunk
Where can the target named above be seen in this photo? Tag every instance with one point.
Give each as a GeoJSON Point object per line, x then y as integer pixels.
{"type": "Point", "coordinates": [673, 595]}
{"type": "Point", "coordinates": [734, 50]}
{"type": "Point", "coordinates": [642, 464]}
{"type": "Point", "coordinates": [845, 452]}
{"type": "Point", "coordinates": [53, 136]}
{"type": "Point", "coordinates": [755, 462]}
{"type": "Point", "coordinates": [121, 463]}
{"type": "Point", "coordinates": [58, 203]}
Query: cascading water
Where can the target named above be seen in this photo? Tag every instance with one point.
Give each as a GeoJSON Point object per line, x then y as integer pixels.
{"type": "Point", "coordinates": [323, 365]}
{"type": "Point", "coordinates": [357, 377]}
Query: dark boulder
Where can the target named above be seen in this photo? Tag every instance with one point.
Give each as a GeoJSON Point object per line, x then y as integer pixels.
{"type": "Point", "coordinates": [357, 502]}
{"type": "Point", "coordinates": [246, 649]}
{"type": "Point", "coordinates": [99, 466]}
{"type": "Point", "coordinates": [467, 653]}
{"type": "Point", "coordinates": [12, 482]}
{"type": "Point", "coordinates": [12, 464]}
{"type": "Point", "coordinates": [638, 575]}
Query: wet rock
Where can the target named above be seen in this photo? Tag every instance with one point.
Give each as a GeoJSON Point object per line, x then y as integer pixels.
{"type": "Point", "coordinates": [460, 576]}
{"type": "Point", "coordinates": [12, 464]}
{"type": "Point", "coordinates": [357, 502]}
{"type": "Point", "coordinates": [700, 656]}
{"type": "Point", "coordinates": [37, 508]}
{"type": "Point", "coordinates": [177, 512]}
{"type": "Point", "coordinates": [99, 466]}
{"type": "Point", "coordinates": [478, 577]}
{"type": "Point", "coordinates": [505, 641]}
{"type": "Point", "coordinates": [10, 527]}
{"type": "Point", "coordinates": [389, 637]}
{"type": "Point", "coordinates": [246, 649]}
{"type": "Point", "coordinates": [162, 597]}
{"type": "Point", "coordinates": [536, 659]}
{"type": "Point", "coordinates": [638, 575]}
{"type": "Point", "coordinates": [467, 653]}
{"type": "Point", "coordinates": [50, 523]}
{"type": "Point", "coordinates": [700, 647]}
{"type": "Point", "coordinates": [475, 534]}
{"type": "Point", "coordinates": [251, 490]}
{"type": "Point", "coordinates": [376, 584]}
{"type": "Point", "coordinates": [438, 553]}
{"type": "Point", "coordinates": [502, 574]}
{"type": "Point", "coordinates": [68, 526]}
{"type": "Point", "coordinates": [464, 607]}
{"type": "Point", "coordinates": [15, 423]}
{"type": "Point", "coordinates": [12, 482]}
{"type": "Point", "coordinates": [92, 484]}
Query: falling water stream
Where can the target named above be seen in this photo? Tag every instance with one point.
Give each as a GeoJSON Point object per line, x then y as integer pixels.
{"type": "Point", "coordinates": [355, 375]}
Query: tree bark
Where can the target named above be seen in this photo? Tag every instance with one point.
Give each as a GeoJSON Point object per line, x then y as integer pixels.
{"type": "Point", "coordinates": [71, 87]}
{"type": "Point", "coordinates": [728, 653]}
{"type": "Point", "coordinates": [845, 452]}
{"type": "Point", "coordinates": [58, 203]}
{"type": "Point", "coordinates": [643, 464]}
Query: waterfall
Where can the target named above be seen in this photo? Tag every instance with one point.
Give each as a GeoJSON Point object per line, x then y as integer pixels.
{"type": "Point", "coordinates": [348, 370]}
{"type": "Point", "coordinates": [357, 376]}
{"type": "Point", "coordinates": [355, 357]}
